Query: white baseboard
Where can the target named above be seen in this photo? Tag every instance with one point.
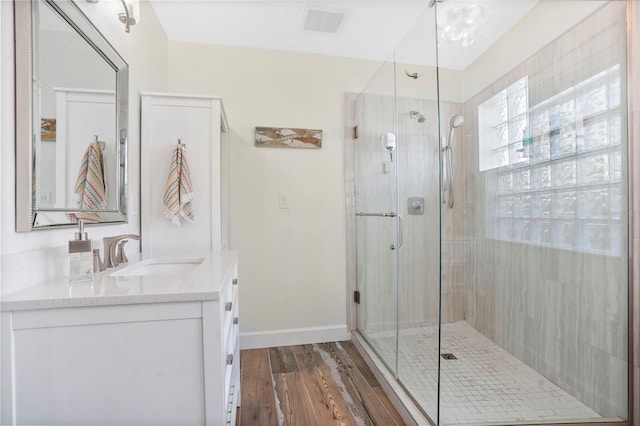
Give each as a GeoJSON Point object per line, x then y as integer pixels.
{"type": "Point", "coordinates": [294, 336]}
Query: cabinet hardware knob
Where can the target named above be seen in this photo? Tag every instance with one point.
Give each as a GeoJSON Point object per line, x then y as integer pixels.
{"type": "Point", "coordinates": [228, 306]}
{"type": "Point", "coordinates": [235, 320]}
{"type": "Point", "coordinates": [235, 281]}
{"type": "Point", "coordinates": [229, 359]}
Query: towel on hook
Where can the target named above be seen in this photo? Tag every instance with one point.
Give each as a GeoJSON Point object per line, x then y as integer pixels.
{"type": "Point", "coordinates": [90, 187]}
{"type": "Point", "coordinates": [178, 192]}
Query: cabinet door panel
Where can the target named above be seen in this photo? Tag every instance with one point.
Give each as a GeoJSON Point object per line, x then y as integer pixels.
{"type": "Point", "coordinates": [77, 375]}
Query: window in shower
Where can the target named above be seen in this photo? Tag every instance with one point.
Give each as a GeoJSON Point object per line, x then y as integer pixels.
{"type": "Point", "coordinates": [556, 180]}
{"type": "Point", "coordinates": [503, 121]}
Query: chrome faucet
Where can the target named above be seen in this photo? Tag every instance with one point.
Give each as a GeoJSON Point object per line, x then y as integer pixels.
{"type": "Point", "coordinates": [110, 245]}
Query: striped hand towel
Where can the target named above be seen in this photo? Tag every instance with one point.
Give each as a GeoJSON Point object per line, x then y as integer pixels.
{"type": "Point", "coordinates": [90, 186]}
{"type": "Point", "coordinates": [178, 192]}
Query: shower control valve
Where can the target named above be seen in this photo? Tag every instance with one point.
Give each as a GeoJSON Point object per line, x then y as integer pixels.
{"type": "Point", "coordinates": [415, 205]}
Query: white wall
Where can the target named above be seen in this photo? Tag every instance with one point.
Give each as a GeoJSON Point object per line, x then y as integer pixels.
{"type": "Point", "coordinates": [145, 50]}
{"type": "Point", "coordinates": [292, 262]}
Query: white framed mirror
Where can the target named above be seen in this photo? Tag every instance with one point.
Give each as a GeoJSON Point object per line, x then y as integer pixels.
{"type": "Point", "coordinates": [71, 119]}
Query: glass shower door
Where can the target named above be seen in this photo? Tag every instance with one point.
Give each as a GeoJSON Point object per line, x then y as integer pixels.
{"type": "Point", "coordinates": [535, 248]}
{"type": "Point", "coordinates": [501, 298]}
{"type": "Point", "coordinates": [376, 215]}
{"type": "Point", "coordinates": [419, 268]}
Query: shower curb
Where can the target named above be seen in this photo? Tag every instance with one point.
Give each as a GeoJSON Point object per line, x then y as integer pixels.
{"type": "Point", "coordinates": [408, 410]}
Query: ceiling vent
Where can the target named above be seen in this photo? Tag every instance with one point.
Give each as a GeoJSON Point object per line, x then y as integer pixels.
{"type": "Point", "coordinates": [324, 21]}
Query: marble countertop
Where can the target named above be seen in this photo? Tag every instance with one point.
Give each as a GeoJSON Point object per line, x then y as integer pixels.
{"type": "Point", "coordinates": [203, 283]}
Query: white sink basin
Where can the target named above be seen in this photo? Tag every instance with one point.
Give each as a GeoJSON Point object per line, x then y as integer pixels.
{"type": "Point", "coordinates": [160, 267]}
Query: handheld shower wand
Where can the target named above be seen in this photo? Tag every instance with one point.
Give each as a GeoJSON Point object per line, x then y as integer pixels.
{"type": "Point", "coordinates": [447, 159]}
{"type": "Point", "coordinates": [456, 121]}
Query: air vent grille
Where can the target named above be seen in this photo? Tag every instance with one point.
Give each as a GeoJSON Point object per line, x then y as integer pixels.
{"type": "Point", "coordinates": [323, 21]}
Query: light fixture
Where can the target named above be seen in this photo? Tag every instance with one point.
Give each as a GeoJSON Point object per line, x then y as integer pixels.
{"type": "Point", "coordinates": [127, 17]}
{"type": "Point", "coordinates": [460, 25]}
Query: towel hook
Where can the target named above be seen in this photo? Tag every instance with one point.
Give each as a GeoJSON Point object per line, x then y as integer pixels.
{"type": "Point", "coordinates": [180, 142]}
{"type": "Point", "coordinates": [101, 144]}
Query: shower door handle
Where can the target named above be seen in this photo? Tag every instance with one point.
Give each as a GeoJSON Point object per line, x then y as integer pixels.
{"type": "Point", "coordinates": [392, 214]}
{"type": "Point", "coordinates": [400, 235]}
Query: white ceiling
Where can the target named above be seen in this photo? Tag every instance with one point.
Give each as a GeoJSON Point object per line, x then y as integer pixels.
{"type": "Point", "coordinates": [372, 29]}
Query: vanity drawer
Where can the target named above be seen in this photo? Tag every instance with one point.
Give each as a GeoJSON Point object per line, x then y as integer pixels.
{"type": "Point", "coordinates": [230, 332]}
{"type": "Point", "coordinates": [231, 406]}
{"type": "Point", "coordinates": [230, 338]}
{"type": "Point", "coordinates": [232, 364]}
{"type": "Point", "coordinates": [229, 306]}
{"type": "Point", "coordinates": [233, 394]}
{"type": "Point", "coordinates": [230, 322]}
{"type": "Point", "coordinates": [229, 295]}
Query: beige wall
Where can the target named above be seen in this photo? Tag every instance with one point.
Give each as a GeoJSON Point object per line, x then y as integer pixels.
{"type": "Point", "coordinates": [292, 262]}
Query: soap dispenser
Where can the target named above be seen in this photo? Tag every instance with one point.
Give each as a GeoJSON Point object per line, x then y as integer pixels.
{"type": "Point", "coordinates": [80, 256]}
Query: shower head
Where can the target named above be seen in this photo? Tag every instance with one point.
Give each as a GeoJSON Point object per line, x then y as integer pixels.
{"type": "Point", "coordinates": [417, 115]}
{"type": "Point", "coordinates": [456, 121]}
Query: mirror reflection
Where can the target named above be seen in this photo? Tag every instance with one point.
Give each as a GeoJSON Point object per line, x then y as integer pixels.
{"type": "Point", "coordinates": [71, 114]}
{"type": "Point", "coordinates": [77, 163]}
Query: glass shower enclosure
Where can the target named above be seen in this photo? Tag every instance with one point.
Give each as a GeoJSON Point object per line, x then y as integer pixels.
{"type": "Point", "coordinates": [490, 196]}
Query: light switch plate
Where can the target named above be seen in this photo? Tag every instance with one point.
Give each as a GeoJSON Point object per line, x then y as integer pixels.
{"type": "Point", "coordinates": [285, 202]}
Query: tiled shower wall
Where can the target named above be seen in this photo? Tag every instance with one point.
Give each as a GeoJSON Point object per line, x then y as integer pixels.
{"type": "Point", "coordinates": [562, 311]}
{"type": "Point", "coordinates": [419, 259]}
{"type": "Point", "coordinates": [416, 160]}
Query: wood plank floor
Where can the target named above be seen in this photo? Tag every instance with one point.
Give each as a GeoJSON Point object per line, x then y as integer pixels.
{"type": "Point", "coordinates": [324, 384]}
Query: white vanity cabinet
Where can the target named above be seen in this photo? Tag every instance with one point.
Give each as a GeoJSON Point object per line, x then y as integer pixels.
{"type": "Point", "coordinates": [128, 363]}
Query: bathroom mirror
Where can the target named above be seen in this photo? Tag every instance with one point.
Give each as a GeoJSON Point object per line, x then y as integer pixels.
{"type": "Point", "coordinates": [71, 119]}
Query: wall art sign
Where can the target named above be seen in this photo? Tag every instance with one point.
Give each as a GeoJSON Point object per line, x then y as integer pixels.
{"type": "Point", "coordinates": [285, 137]}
